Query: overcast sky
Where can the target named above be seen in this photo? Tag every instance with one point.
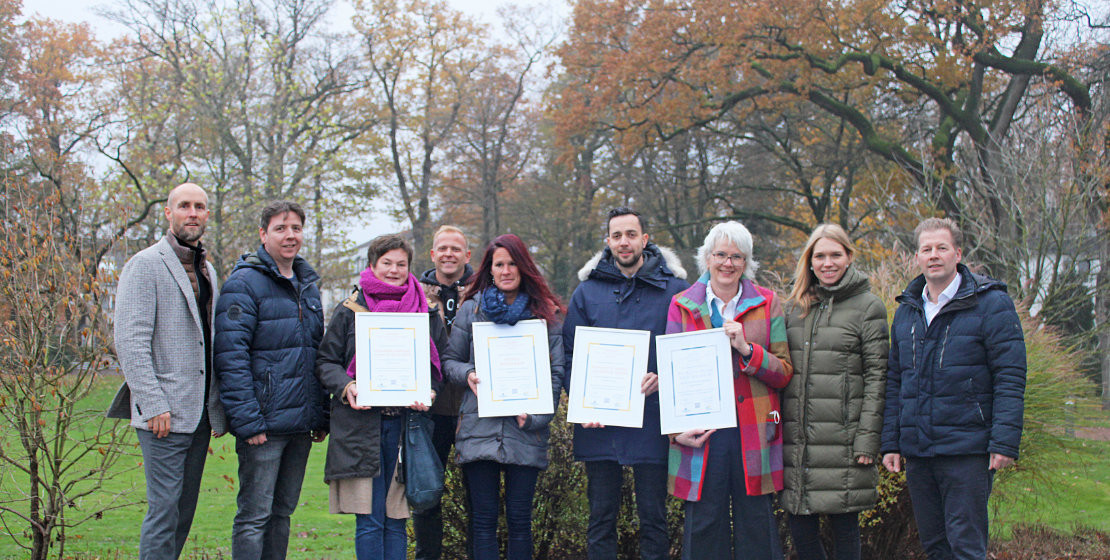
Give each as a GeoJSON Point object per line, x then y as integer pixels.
{"type": "Point", "coordinates": [104, 29]}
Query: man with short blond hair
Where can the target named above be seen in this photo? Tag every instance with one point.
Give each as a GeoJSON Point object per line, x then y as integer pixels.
{"type": "Point", "coordinates": [954, 394]}
{"type": "Point", "coordinates": [443, 285]}
{"type": "Point", "coordinates": [163, 332]}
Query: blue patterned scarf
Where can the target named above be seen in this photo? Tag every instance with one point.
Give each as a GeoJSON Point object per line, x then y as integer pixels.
{"type": "Point", "coordinates": [496, 310]}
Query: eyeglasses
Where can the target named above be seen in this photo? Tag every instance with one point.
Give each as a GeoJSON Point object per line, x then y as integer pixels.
{"type": "Point", "coordinates": [721, 257]}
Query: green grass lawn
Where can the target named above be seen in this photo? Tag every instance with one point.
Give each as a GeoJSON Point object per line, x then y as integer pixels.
{"type": "Point", "coordinates": [314, 534]}
{"type": "Point", "coordinates": [1076, 493]}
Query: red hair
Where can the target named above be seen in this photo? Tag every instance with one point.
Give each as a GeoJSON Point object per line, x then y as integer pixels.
{"type": "Point", "coordinates": [541, 301]}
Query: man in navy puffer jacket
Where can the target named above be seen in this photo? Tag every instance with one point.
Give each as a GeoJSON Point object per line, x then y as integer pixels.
{"type": "Point", "coordinates": [954, 395]}
{"type": "Point", "coordinates": [269, 322]}
{"type": "Point", "coordinates": [627, 285]}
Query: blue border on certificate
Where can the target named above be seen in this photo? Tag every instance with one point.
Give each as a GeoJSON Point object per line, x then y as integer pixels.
{"type": "Point", "coordinates": [369, 352]}
{"type": "Point", "coordinates": [674, 381]}
{"type": "Point", "coordinates": [535, 369]}
{"type": "Point", "coordinates": [631, 370]}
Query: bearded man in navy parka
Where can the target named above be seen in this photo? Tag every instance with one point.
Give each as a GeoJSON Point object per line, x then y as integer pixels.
{"type": "Point", "coordinates": [269, 322]}
{"type": "Point", "coordinates": [954, 394]}
{"type": "Point", "coordinates": [627, 285]}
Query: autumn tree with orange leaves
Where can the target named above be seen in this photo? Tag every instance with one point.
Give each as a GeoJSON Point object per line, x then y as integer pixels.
{"type": "Point", "coordinates": [941, 90]}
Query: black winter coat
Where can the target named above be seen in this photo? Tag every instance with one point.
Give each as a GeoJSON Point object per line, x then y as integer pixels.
{"type": "Point", "coordinates": [355, 440]}
{"type": "Point", "coordinates": [956, 386]}
{"type": "Point", "coordinates": [606, 298]}
{"type": "Point", "coordinates": [267, 332]}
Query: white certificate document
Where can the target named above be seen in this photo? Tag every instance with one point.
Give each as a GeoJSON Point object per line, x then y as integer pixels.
{"type": "Point", "coordinates": [392, 359]}
{"type": "Point", "coordinates": [695, 381]}
{"type": "Point", "coordinates": [513, 367]}
{"type": "Point", "coordinates": [609, 366]}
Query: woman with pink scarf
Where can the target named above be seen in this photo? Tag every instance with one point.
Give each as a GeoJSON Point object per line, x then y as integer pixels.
{"type": "Point", "coordinates": [364, 443]}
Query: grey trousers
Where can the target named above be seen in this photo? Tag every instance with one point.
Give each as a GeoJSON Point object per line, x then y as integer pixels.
{"type": "Point", "coordinates": [173, 466]}
{"type": "Point", "coordinates": [270, 477]}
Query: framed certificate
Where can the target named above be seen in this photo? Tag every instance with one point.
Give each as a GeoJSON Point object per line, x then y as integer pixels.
{"type": "Point", "coordinates": [609, 366]}
{"type": "Point", "coordinates": [695, 381]}
{"type": "Point", "coordinates": [514, 368]}
{"type": "Point", "coordinates": [392, 359]}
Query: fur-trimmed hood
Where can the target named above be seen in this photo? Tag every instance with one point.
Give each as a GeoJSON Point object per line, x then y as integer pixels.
{"type": "Point", "coordinates": [654, 258]}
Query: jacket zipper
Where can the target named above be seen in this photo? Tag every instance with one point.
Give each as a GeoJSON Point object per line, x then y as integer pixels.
{"type": "Point", "coordinates": [913, 344]}
{"type": "Point", "coordinates": [944, 344]}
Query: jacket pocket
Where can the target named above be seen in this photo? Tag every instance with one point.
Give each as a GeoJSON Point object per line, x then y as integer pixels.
{"type": "Point", "coordinates": [267, 390]}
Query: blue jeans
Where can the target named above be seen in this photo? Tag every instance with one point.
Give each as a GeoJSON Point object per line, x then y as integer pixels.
{"type": "Point", "coordinates": [428, 525]}
{"type": "Point", "coordinates": [713, 531]}
{"type": "Point", "coordinates": [270, 478]}
{"type": "Point", "coordinates": [378, 537]}
{"type": "Point", "coordinates": [806, 532]}
{"type": "Point", "coordinates": [483, 479]}
{"type": "Point", "coordinates": [949, 496]}
{"type": "Point", "coordinates": [604, 479]}
{"type": "Point", "coordinates": [173, 465]}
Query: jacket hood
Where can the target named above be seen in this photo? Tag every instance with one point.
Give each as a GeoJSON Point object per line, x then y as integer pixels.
{"type": "Point", "coordinates": [658, 261]}
{"type": "Point", "coordinates": [262, 261]}
{"type": "Point", "coordinates": [970, 284]}
{"type": "Point", "coordinates": [429, 276]}
{"type": "Point", "coordinates": [852, 283]}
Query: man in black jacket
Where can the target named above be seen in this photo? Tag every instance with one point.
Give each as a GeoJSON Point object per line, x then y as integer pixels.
{"type": "Point", "coordinates": [443, 285]}
{"type": "Point", "coordinates": [269, 322]}
{"type": "Point", "coordinates": [954, 393]}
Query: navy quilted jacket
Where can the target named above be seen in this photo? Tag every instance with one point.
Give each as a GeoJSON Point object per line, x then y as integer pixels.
{"type": "Point", "coordinates": [267, 331]}
{"type": "Point", "coordinates": [607, 298]}
{"type": "Point", "coordinates": [956, 386]}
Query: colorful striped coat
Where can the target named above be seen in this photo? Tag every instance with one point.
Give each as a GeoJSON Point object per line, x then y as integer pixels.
{"type": "Point", "coordinates": [756, 381]}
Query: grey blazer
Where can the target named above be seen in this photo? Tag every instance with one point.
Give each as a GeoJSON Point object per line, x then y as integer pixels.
{"type": "Point", "coordinates": [160, 344]}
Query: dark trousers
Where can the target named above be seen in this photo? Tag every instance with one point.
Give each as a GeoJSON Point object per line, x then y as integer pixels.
{"type": "Point", "coordinates": [604, 479]}
{"type": "Point", "coordinates": [428, 525]}
{"type": "Point", "coordinates": [949, 495]}
{"type": "Point", "coordinates": [270, 479]}
{"type": "Point", "coordinates": [483, 480]}
{"type": "Point", "coordinates": [173, 466]}
{"type": "Point", "coordinates": [805, 530]}
{"type": "Point", "coordinates": [713, 531]}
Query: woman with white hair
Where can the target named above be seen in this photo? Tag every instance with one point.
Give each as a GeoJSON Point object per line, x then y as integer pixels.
{"type": "Point", "coordinates": [728, 476]}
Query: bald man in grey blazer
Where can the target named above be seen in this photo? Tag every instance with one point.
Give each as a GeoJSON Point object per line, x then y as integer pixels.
{"type": "Point", "coordinates": [163, 332]}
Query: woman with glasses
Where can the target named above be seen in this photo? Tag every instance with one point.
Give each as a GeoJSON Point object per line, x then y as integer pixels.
{"type": "Point", "coordinates": [733, 473]}
{"type": "Point", "coordinates": [833, 408]}
{"type": "Point", "coordinates": [507, 288]}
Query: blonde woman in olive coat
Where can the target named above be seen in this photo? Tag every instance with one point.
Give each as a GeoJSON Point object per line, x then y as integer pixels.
{"type": "Point", "coordinates": [833, 407]}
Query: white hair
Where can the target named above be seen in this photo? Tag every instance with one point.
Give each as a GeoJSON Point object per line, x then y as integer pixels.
{"type": "Point", "coordinates": [729, 232]}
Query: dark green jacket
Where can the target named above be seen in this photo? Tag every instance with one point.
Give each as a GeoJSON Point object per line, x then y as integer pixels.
{"type": "Point", "coordinates": [833, 407]}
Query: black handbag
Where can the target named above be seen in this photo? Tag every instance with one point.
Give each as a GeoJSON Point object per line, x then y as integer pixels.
{"type": "Point", "coordinates": [422, 469]}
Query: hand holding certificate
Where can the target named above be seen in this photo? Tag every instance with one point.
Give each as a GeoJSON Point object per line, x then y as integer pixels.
{"type": "Point", "coordinates": [607, 377]}
{"type": "Point", "coordinates": [695, 381]}
{"type": "Point", "coordinates": [513, 369]}
{"type": "Point", "coordinates": [392, 359]}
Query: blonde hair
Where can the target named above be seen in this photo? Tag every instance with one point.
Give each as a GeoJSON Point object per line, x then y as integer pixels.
{"type": "Point", "coordinates": [804, 292]}
{"type": "Point", "coordinates": [450, 229]}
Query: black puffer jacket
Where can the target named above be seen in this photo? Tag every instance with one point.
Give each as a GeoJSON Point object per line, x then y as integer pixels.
{"type": "Point", "coordinates": [833, 408]}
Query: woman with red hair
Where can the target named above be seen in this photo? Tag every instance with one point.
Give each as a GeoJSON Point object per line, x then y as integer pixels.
{"type": "Point", "coordinates": [507, 288]}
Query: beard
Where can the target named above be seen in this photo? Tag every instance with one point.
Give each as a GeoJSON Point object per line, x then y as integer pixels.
{"type": "Point", "coordinates": [629, 261]}
{"type": "Point", "coordinates": [190, 235]}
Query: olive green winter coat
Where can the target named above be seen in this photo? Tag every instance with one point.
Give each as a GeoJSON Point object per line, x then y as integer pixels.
{"type": "Point", "coordinates": [833, 407]}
